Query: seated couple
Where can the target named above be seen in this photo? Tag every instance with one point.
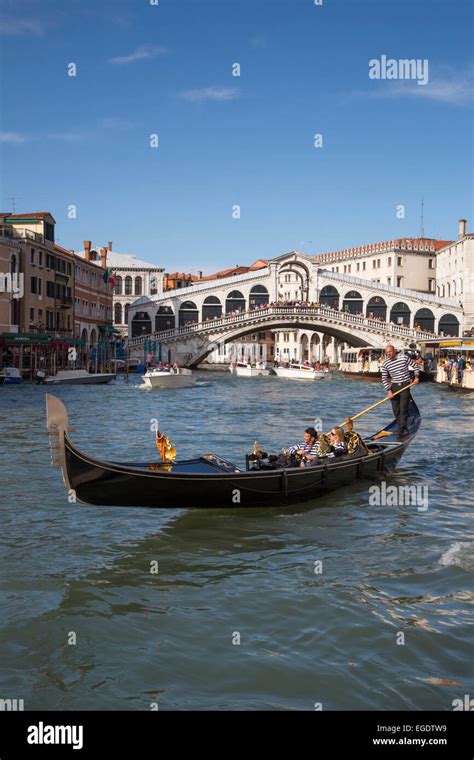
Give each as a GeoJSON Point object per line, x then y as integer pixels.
{"type": "Point", "coordinates": [310, 448]}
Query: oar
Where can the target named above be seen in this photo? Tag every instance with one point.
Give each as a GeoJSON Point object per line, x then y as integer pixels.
{"type": "Point", "coordinates": [369, 408]}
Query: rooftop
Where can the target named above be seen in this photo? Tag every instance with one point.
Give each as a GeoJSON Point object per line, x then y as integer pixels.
{"type": "Point", "coordinates": [402, 245]}
{"type": "Point", "coordinates": [123, 260]}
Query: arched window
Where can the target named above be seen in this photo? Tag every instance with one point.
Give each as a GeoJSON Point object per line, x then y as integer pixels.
{"type": "Point", "coordinates": [164, 318]}
{"type": "Point", "coordinates": [141, 324]}
{"type": "Point", "coordinates": [153, 286]}
{"type": "Point", "coordinates": [449, 326]}
{"type": "Point", "coordinates": [258, 295]}
{"type": "Point", "coordinates": [454, 288]}
{"type": "Point", "coordinates": [118, 285]}
{"type": "Point", "coordinates": [329, 296]}
{"type": "Point", "coordinates": [353, 302]}
{"type": "Point", "coordinates": [400, 314]}
{"type": "Point", "coordinates": [235, 301]}
{"type": "Point", "coordinates": [188, 313]}
{"type": "Point", "coordinates": [118, 313]}
{"type": "Point", "coordinates": [128, 286]}
{"type": "Point", "coordinates": [127, 309]}
{"type": "Point", "coordinates": [211, 308]}
{"type": "Point", "coordinates": [425, 319]}
{"type": "Point", "coordinates": [376, 308]}
{"type": "Point", "coordinates": [138, 286]}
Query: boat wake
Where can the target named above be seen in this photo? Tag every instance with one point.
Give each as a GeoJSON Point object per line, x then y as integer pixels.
{"type": "Point", "coordinates": [461, 554]}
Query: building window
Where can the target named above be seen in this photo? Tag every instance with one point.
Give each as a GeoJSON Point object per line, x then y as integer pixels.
{"type": "Point", "coordinates": [50, 289]}
{"type": "Point", "coordinates": [431, 286]}
{"type": "Point", "coordinates": [40, 258]}
{"type": "Point", "coordinates": [378, 263]}
{"type": "Point", "coordinates": [34, 285]}
{"type": "Point", "coordinates": [389, 261]}
{"type": "Point", "coordinates": [32, 259]}
{"type": "Point", "coordinates": [40, 287]}
{"type": "Point", "coordinates": [358, 266]}
{"type": "Point", "coordinates": [40, 314]}
{"type": "Point", "coordinates": [374, 264]}
{"type": "Point", "coordinates": [389, 280]}
{"type": "Point", "coordinates": [431, 263]}
{"type": "Point", "coordinates": [138, 286]}
{"type": "Point", "coordinates": [349, 268]}
{"type": "Point", "coordinates": [49, 231]}
{"type": "Point", "coordinates": [399, 261]}
{"type": "Point", "coordinates": [363, 266]}
{"type": "Point", "coordinates": [128, 286]}
{"type": "Point", "coordinates": [32, 314]}
{"type": "Point", "coordinates": [399, 282]}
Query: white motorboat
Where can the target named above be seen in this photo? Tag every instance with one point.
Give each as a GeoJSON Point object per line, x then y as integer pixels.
{"type": "Point", "coordinates": [168, 378]}
{"type": "Point", "coordinates": [10, 376]}
{"type": "Point", "coordinates": [243, 369]}
{"type": "Point", "coordinates": [79, 377]}
{"type": "Point", "coordinates": [302, 372]}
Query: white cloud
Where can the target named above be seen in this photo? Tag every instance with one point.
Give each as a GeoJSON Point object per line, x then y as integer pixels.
{"type": "Point", "coordinates": [12, 137]}
{"type": "Point", "coordinates": [217, 94]}
{"type": "Point", "coordinates": [115, 122]}
{"type": "Point", "coordinates": [142, 53]}
{"type": "Point", "coordinates": [445, 85]}
{"type": "Point", "coordinates": [10, 26]}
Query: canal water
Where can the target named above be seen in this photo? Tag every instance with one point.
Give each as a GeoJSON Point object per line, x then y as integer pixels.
{"type": "Point", "coordinates": [386, 624]}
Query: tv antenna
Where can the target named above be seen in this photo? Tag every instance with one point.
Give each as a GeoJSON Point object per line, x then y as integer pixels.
{"type": "Point", "coordinates": [12, 199]}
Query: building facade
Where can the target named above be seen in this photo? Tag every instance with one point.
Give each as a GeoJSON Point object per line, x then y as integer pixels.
{"type": "Point", "coordinates": [133, 279]}
{"type": "Point", "coordinates": [455, 273]}
{"type": "Point", "coordinates": [93, 298]}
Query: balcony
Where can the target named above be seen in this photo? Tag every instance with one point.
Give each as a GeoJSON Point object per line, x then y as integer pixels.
{"type": "Point", "coordinates": [9, 231]}
{"type": "Point", "coordinates": [65, 302]}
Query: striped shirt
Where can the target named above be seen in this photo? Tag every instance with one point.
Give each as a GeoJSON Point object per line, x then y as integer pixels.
{"type": "Point", "coordinates": [338, 450]}
{"type": "Point", "coordinates": [397, 370]}
{"type": "Point", "coordinates": [309, 448]}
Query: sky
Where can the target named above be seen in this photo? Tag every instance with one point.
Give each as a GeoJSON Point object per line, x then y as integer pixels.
{"type": "Point", "coordinates": [238, 173]}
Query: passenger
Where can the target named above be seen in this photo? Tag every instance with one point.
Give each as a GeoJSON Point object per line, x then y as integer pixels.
{"type": "Point", "coordinates": [338, 445]}
{"type": "Point", "coordinates": [308, 448]}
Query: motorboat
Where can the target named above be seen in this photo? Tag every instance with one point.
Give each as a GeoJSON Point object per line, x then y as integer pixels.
{"type": "Point", "coordinates": [243, 369]}
{"type": "Point", "coordinates": [79, 377]}
{"type": "Point", "coordinates": [169, 377]}
{"type": "Point", "coordinates": [302, 372]}
{"type": "Point", "coordinates": [10, 376]}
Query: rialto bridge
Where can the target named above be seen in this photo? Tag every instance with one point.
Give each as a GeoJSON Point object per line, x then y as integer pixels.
{"type": "Point", "coordinates": [192, 322]}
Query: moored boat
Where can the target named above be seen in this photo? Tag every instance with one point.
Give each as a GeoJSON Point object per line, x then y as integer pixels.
{"type": "Point", "coordinates": [366, 364]}
{"type": "Point", "coordinates": [79, 377]}
{"type": "Point", "coordinates": [10, 376]}
{"type": "Point", "coordinates": [177, 377]}
{"type": "Point", "coordinates": [211, 481]}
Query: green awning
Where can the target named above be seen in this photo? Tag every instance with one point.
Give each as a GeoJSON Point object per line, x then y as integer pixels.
{"type": "Point", "coordinates": [109, 329]}
{"type": "Point", "coordinates": [26, 339]}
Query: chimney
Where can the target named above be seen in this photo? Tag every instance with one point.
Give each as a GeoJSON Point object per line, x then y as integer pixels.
{"type": "Point", "coordinates": [110, 245]}
{"type": "Point", "coordinates": [200, 275]}
{"type": "Point", "coordinates": [103, 258]}
{"type": "Point", "coordinates": [462, 228]}
{"type": "Point", "coordinates": [87, 249]}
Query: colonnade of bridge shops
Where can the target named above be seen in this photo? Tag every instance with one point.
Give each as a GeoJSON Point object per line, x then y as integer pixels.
{"type": "Point", "coordinates": [157, 316]}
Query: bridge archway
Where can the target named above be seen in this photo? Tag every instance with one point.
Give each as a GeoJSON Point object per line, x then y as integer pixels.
{"type": "Point", "coordinates": [188, 313]}
{"type": "Point", "coordinates": [353, 302]}
{"type": "Point", "coordinates": [302, 277]}
{"type": "Point", "coordinates": [449, 326]}
{"type": "Point", "coordinates": [164, 318]}
{"type": "Point", "coordinates": [314, 347]}
{"type": "Point", "coordinates": [211, 308]}
{"type": "Point", "coordinates": [258, 295]}
{"type": "Point", "coordinates": [329, 296]}
{"type": "Point", "coordinates": [235, 301]}
{"type": "Point", "coordinates": [141, 324]}
{"type": "Point", "coordinates": [376, 308]}
{"type": "Point", "coordinates": [425, 319]}
{"type": "Point", "coordinates": [400, 314]}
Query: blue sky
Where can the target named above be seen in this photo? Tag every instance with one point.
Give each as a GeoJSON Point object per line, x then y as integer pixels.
{"type": "Point", "coordinates": [225, 140]}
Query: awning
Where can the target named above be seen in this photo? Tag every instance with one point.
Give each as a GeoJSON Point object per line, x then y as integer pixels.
{"type": "Point", "coordinates": [26, 339]}
{"type": "Point", "coordinates": [109, 329]}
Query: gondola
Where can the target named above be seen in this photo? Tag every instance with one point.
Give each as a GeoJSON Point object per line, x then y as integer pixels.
{"type": "Point", "coordinates": [209, 481]}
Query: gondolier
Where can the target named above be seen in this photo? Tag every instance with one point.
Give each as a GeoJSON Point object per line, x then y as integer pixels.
{"type": "Point", "coordinates": [395, 376]}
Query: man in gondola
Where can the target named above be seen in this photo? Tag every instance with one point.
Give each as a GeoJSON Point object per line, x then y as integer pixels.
{"type": "Point", "coordinates": [308, 449]}
{"type": "Point", "coordinates": [395, 376]}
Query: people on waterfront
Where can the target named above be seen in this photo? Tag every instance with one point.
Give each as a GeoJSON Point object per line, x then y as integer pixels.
{"type": "Point", "coordinates": [395, 377]}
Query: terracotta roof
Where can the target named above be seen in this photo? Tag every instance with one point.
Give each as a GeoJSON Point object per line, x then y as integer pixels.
{"type": "Point", "coordinates": [402, 245]}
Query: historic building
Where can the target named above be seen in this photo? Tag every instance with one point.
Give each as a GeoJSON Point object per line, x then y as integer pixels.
{"type": "Point", "coordinates": [455, 272]}
{"type": "Point", "coordinates": [93, 297]}
{"type": "Point", "coordinates": [133, 279]}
